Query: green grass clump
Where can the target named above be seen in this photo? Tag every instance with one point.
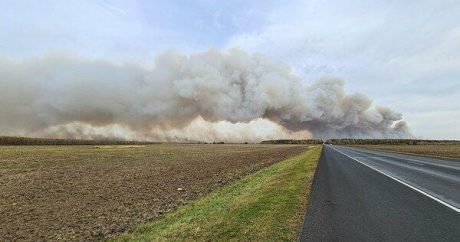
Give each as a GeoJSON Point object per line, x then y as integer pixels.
{"type": "Point", "coordinates": [266, 206]}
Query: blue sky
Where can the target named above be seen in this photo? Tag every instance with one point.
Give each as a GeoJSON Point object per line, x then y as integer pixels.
{"type": "Point", "coordinates": [402, 54]}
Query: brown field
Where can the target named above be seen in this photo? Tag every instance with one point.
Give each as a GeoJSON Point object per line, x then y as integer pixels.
{"type": "Point", "coordinates": [94, 192]}
{"type": "Point", "coordinates": [441, 150]}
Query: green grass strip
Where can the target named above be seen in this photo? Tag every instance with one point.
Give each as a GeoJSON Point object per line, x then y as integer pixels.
{"type": "Point", "coordinates": [266, 206]}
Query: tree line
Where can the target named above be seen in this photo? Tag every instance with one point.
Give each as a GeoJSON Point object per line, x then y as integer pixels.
{"type": "Point", "coordinates": [9, 140]}
{"type": "Point", "coordinates": [293, 141]}
{"type": "Point", "coordinates": [389, 142]}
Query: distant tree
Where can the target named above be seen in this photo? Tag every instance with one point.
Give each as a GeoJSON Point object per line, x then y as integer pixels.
{"type": "Point", "coordinates": [388, 141]}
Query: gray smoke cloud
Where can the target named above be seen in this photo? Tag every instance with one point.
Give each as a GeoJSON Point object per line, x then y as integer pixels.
{"type": "Point", "coordinates": [213, 95]}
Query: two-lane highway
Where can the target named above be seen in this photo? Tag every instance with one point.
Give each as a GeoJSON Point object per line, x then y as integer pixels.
{"type": "Point", "coordinates": [364, 195]}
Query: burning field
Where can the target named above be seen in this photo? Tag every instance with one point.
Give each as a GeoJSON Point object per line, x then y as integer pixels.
{"type": "Point", "coordinates": [94, 192]}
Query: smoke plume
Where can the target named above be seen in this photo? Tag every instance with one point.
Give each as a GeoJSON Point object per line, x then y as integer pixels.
{"type": "Point", "coordinates": [209, 96]}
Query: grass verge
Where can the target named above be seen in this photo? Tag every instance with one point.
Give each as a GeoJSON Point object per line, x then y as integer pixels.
{"type": "Point", "coordinates": [266, 206]}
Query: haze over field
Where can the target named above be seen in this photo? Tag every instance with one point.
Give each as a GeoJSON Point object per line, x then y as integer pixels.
{"type": "Point", "coordinates": [275, 71]}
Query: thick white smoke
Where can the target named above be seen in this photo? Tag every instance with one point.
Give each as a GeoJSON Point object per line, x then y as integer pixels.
{"type": "Point", "coordinates": [213, 95]}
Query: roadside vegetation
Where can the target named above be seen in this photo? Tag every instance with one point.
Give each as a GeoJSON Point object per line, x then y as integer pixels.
{"type": "Point", "coordinates": [266, 206]}
{"type": "Point", "coordinates": [436, 148]}
{"type": "Point", "coordinates": [391, 142]}
{"type": "Point", "coordinates": [439, 150]}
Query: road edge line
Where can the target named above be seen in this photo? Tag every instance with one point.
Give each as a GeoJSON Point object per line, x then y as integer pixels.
{"type": "Point", "coordinates": [402, 182]}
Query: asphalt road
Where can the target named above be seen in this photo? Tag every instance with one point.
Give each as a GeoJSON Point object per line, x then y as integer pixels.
{"type": "Point", "coordinates": [363, 195]}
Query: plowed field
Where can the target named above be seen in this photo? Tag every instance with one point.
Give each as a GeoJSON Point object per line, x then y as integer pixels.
{"type": "Point", "coordinates": [94, 192]}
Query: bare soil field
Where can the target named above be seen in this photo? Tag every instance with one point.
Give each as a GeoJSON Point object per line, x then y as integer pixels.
{"type": "Point", "coordinates": [441, 150]}
{"type": "Point", "coordinates": [94, 192]}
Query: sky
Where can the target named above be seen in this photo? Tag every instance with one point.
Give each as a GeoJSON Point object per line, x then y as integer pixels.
{"type": "Point", "coordinates": [401, 54]}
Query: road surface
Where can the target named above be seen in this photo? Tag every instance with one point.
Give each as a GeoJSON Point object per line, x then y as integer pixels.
{"type": "Point", "coordinates": [364, 195]}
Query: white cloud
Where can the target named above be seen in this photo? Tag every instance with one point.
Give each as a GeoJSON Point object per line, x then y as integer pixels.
{"type": "Point", "coordinates": [401, 53]}
{"type": "Point", "coordinates": [404, 54]}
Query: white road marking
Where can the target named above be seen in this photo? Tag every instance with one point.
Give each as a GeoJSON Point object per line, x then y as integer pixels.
{"type": "Point", "coordinates": [408, 185]}
{"type": "Point", "coordinates": [415, 162]}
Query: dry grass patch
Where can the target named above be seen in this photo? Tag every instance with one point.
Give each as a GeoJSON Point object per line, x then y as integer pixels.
{"type": "Point", "coordinates": [440, 150]}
